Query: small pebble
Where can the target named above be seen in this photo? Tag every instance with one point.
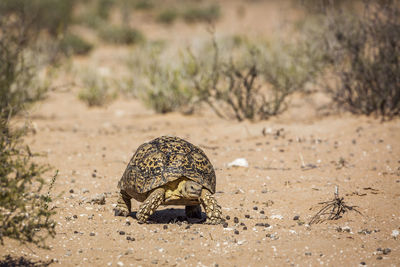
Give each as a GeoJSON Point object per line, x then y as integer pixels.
{"type": "Point", "coordinates": [262, 212]}
{"type": "Point", "coordinates": [236, 220]}
{"type": "Point", "coordinates": [225, 225]}
{"type": "Point", "coordinates": [386, 251]}
{"type": "Point", "coordinates": [92, 234]}
{"type": "Point", "coordinates": [236, 232]}
{"type": "Point", "coordinates": [130, 238]}
{"type": "Point", "coordinates": [165, 227]}
{"type": "Point", "coordinates": [363, 263]}
{"type": "Point", "coordinates": [255, 208]}
{"type": "Point", "coordinates": [245, 228]}
{"type": "Point", "coordinates": [128, 223]}
{"type": "Point", "coordinates": [228, 217]}
{"type": "Point", "coordinates": [296, 217]}
{"type": "Point", "coordinates": [94, 175]}
{"type": "Point", "coordinates": [308, 253]}
{"type": "Point", "coordinates": [71, 191]}
{"type": "Point", "coordinates": [379, 258]}
{"type": "Point", "coordinates": [187, 226]}
{"type": "Point", "coordinates": [247, 216]}
{"type": "Point", "coordinates": [75, 216]}
{"type": "Point", "coordinates": [122, 232]}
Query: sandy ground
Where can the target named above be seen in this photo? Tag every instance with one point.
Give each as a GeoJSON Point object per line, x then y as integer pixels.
{"type": "Point", "coordinates": [294, 162]}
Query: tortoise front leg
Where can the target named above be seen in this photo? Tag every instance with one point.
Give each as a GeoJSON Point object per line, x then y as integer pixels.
{"type": "Point", "coordinates": [123, 207]}
{"type": "Point", "coordinates": [210, 205]}
{"type": "Point", "coordinates": [149, 206]}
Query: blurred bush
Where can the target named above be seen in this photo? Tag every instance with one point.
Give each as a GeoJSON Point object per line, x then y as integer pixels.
{"type": "Point", "coordinates": [72, 44]}
{"type": "Point", "coordinates": [24, 213]}
{"type": "Point", "coordinates": [365, 54]}
{"type": "Point", "coordinates": [96, 89]}
{"type": "Point", "coordinates": [120, 35]}
{"type": "Point", "coordinates": [19, 83]}
{"type": "Point", "coordinates": [52, 16]}
{"type": "Point", "coordinates": [236, 77]}
{"type": "Point", "coordinates": [202, 14]}
{"type": "Point", "coordinates": [158, 81]}
{"type": "Point", "coordinates": [167, 16]}
{"type": "Point", "coordinates": [246, 79]}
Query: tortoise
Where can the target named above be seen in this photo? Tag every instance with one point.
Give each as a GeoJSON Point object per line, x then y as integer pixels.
{"type": "Point", "coordinates": [169, 171]}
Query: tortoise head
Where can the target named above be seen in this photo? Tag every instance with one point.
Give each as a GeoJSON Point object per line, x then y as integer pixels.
{"type": "Point", "coordinates": [191, 190]}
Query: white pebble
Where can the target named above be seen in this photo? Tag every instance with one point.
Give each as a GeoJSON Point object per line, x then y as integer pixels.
{"type": "Point", "coordinates": [239, 162]}
{"type": "Point", "coordinates": [395, 233]}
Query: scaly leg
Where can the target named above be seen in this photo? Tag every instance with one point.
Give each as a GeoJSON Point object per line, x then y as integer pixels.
{"type": "Point", "coordinates": [123, 207]}
{"type": "Point", "coordinates": [210, 205]}
{"type": "Point", "coordinates": [193, 211]}
{"type": "Point", "coordinates": [150, 205]}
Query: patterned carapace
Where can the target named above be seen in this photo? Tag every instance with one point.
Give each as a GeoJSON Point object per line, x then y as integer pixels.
{"type": "Point", "coordinates": [164, 160]}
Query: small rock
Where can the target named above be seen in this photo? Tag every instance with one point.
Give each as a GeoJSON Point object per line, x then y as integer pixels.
{"type": "Point", "coordinates": [262, 212]}
{"type": "Point", "coordinates": [236, 220]}
{"type": "Point", "coordinates": [395, 233]}
{"type": "Point", "coordinates": [379, 257]}
{"type": "Point", "coordinates": [386, 251]}
{"type": "Point", "coordinates": [85, 190]}
{"type": "Point", "coordinates": [295, 218]}
{"type": "Point", "coordinates": [130, 238]}
{"type": "Point", "coordinates": [228, 217]}
{"type": "Point", "coordinates": [308, 253]}
{"type": "Point", "coordinates": [99, 199]}
{"type": "Point", "coordinates": [255, 208]}
{"type": "Point", "coordinates": [276, 216]}
{"type": "Point", "coordinates": [120, 263]}
{"type": "Point", "coordinates": [239, 162]}
{"type": "Point", "coordinates": [75, 216]}
{"type": "Point", "coordinates": [263, 224]}
{"type": "Point", "coordinates": [92, 234]}
{"type": "Point", "coordinates": [225, 225]}
{"type": "Point", "coordinates": [165, 227]}
{"type": "Point", "coordinates": [264, 191]}
{"type": "Point", "coordinates": [71, 191]}
{"type": "Point", "coordinates": [236, 232]}
{"type": "Point", "coordinates": [122, 232]}
{"type": "Point", "coordinates": [245, 228]}
{"type": "Point", "coordinates": [127, 223]}
{"type": "Point", "coordinates": [363, 263]}
{"type": "Point", "coordinates": [247, 216]}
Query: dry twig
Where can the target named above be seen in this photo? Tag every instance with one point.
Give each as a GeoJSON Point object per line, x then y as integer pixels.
{"type": "Point", "coordinates": [333, 209]}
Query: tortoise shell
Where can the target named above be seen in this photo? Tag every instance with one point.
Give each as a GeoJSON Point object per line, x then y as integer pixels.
{"type": "Point", "coordinates": [166, 159]}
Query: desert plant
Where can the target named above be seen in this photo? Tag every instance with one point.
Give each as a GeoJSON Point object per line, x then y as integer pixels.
{"type": "Point", "coordinates": [120, 34]}
{"type": "Point", "coordinates": [96, 89]}
{"type": "Point", "coordinates": [19, 84]}
{"type": "Point", "coordinates": [253, 81]}
{"type": "Point", "coordinates": [202, 14]}
{"type": "Point", "coordinates": [159, 85]}
{"type": "Point", "coordinates": [74, 44]}
{"type": "Point", "coordinates": [24, 212]}
{"type": "Point", "coordinates": [365, 51]}
{"type": "Point", "coordinates": [167, 16]}
{"type": "Point", "coordinates": [37, 16]}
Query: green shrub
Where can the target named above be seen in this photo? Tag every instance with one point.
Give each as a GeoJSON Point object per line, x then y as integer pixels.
{"type": "Point", "coordinates": [159, 84]}
{"type": "Point", "coordinates": [19, 85]}
{"type": "Point", "coordinates": [144, 4]}
{"type": "Point", "coordinates": [24, 213]}
{"type": "Point", "coordinates": [74, 44]}
{"type": "Point", "coordinates": [365, 51]}
{"type": "Point", "coordinates": [120, 35]}
{"type": "Point", "coordinates": [50, 15]}
{"type": "Point", "coordinates": [167, 16]}
{"type": "Point", "coordinates": [96, 89]}
{"type": "Point", "coordinates": [202, 14]}
{"type": "Point", "coordinates": [249, 80]}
